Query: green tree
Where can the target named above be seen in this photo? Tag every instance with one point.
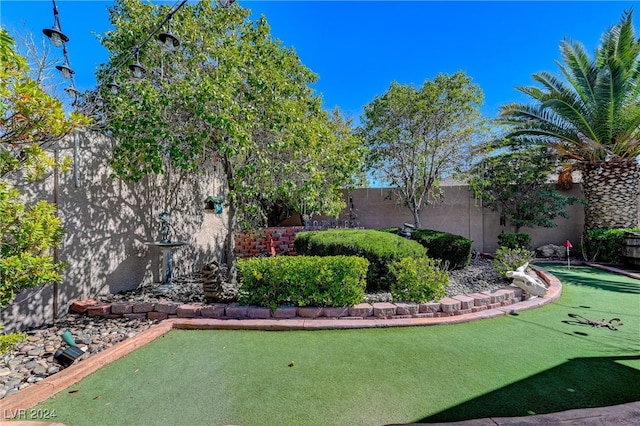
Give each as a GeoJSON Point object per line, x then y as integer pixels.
{"type": "Point", "coordinates": [232, 93]}
{"type": "Point", "coordinates": [516, 184]}
{"type": "Point", "coordinates": [416, 136]}
{"type": "Point", "coordinates": [30, 119]}
{"type": "Point", "coordinates": [27, 235]}
{"type": "Point", "coordinates": [591, 118]}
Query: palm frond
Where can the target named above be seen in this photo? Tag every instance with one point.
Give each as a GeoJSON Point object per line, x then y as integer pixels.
{"type": "Point", "coordinates": [620, 42]}
{"type": "Point", "coordinates": [594, 112]}
{"type": "Point", "coordinates": [533, 92]}
{"type": "Point", "coordinates": [580, 70]}
{"type": "Point", "coordinates": [551, 82]}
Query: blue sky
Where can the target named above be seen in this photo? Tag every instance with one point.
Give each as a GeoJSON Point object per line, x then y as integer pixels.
{"type": "Point", "coordinates": [358, 48]}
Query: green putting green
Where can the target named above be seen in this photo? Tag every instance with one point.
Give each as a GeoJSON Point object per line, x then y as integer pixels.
{"type": "Point", "coordinates": [535, 362]}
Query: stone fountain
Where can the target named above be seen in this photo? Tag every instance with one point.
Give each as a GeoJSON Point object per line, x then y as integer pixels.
{"type": "Point", "coordinates": [166, 247]}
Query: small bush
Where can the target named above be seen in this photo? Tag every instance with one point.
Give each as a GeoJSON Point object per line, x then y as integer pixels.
{"type": "Point", "coordinates": [303, 280]}
{"type": "Point", "coordinates": [379, 248]}
{"type": "Point", "coordinates": [509, 259]}
{"type": "Point", "coordinates": [514, 241]}
{"type": "Point", "coordinates": [605, 245]}
{"type": "Point", "coordinates": [10, 341]}
{"type": "Point", "coordinates": [418, 280]}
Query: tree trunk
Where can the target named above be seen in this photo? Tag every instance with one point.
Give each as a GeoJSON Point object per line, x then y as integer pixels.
{"type": "Point", "coordinates": [230, 240]}
{"type": "Point", "coordinates": [230, 244]}
{"type": "Point", "coordinates": [416, 219]}
{"type": "Point", "coordinates": [611, 191]}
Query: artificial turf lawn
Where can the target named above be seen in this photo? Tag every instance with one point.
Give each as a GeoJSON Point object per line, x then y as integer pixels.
{"type": "Point", "coordinates": [535, 362]}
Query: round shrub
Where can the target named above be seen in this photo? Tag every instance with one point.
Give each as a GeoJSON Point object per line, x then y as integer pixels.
{"type": "Point", "coordinates": [379, 248]}
{"type": "Point", "coordinates": [418, 280]}
{"type": "Point", "coordinates": [453, 249]}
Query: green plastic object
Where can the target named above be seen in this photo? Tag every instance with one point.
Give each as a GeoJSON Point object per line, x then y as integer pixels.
{"type": "Point", "coordinates": [68, 338]}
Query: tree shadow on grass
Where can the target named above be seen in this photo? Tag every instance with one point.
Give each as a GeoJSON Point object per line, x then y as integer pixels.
{"type": "Point", "coordinates": [575, 384]}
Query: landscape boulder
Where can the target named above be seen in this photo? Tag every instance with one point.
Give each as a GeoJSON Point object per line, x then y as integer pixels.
{"type": "Point", "coordinates": [549, 251]}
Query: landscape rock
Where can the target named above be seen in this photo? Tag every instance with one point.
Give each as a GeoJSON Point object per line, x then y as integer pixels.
{"type": "Point", "coordinates": [551, 251]}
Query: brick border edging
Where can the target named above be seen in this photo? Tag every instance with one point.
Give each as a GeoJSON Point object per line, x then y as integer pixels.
{"type": "Point", "coordinates": [446, 307]}
{"type": "Point", "coordinates": [51, 385]}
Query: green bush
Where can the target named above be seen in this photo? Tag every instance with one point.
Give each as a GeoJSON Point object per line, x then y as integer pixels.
{"type": "Point", "coordinates": [303, 280]}
{"type": "Point", "coordinates": [10, 341]}
{"type": "Point", "coordinates": [509, 259]}
{"type": "Point", "coordinates": [451, 248]}
{"type": "Point", "coordinates": [418, 280]}
{"type": "Point", "coordinates": [605, 245]}
{"type": "Point", "coordinates": [514, 240]}
{"type": "Point", "coordinates": [27, 234]}
{"type": "Point", "coordinates": [379, 248]}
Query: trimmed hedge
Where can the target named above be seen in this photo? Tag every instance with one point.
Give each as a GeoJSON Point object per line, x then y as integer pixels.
{"type": "Point", "coordinates": [379, 248]}
{"type": "Point", "coordinates": [605, 245]}
{"type": "Point", "coordinates": [303, 280]}
{"type": "Point", "coordinates": [451, 248]}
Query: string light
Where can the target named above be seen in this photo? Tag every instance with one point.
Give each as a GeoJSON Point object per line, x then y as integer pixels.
{"type": "Point", "coordinates": [169, 41]}
{"type": "Point", "coordinates": [55, 33]}
{"type": "Point", "coordinates": [65, 69]}
{"type": "Point", "coordinates": [136, 68]}
{"type": "Point", "coordinates": [59, 39]}
{"type": "Point", "coordinates": [113, 87]}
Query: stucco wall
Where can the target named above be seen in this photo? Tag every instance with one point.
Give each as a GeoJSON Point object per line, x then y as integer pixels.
{"type": "Point", "coordinates": [460, 213]}
{"type": "Point", "coordinates": [107, 222]}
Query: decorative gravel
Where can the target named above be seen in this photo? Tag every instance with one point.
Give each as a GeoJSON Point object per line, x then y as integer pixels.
{"type": "Point", "coordinates": [33, 360]}
{"type": "Point", "coordinates": [477, 277]}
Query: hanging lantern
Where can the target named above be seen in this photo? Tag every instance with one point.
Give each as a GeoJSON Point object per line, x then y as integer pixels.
{"type": "Point", "coordinates": [72, 91]}
{"type": "Point", "coordinates": [57, 37]}
{"type": "Point", "coordinates": [138, 70]}
{"type": "Point", "coordinates": [65, 69]}
{"type": "Point", "coordinates": [55, 34]}
{"type": "Point", "coordinates": [169, 41]}
{"type": "Point", "coordinates": [113, 87]}
{"type": "Point", "coordinates": [99, 101]}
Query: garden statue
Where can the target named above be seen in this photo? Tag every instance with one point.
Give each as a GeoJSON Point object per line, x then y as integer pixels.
{"type": "Point", "coordinates": [526, 282]}
{"type": "Point", "coordinates": [406, 231]}
{"type": "Point", "coordinates": [164, 228]}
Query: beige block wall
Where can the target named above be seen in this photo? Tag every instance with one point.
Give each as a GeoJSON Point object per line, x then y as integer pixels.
{"type": "Point", "coordinates": [460, 213]}
{"type": "Point", "coordinates": [107, 222]}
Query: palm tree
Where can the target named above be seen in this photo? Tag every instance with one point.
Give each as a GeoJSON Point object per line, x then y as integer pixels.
{"type": "Point", "coordinates": [592, 121]}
